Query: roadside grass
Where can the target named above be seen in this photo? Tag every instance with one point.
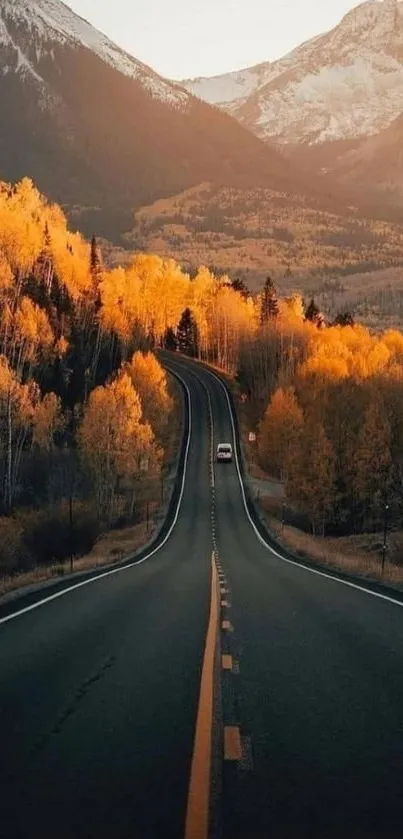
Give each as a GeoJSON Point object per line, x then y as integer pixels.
{"type": "Point", "coordinates": [359, 555]}
{"type": "Point", "coordinates": [112, 546]}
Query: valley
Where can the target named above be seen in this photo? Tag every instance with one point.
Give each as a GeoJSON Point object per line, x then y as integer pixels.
{"type": "Point", "coordinates": [345, 260]}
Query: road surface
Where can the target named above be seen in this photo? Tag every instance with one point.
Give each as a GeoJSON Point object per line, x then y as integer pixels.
{"type": "Point", "coordinates": [99, 691]}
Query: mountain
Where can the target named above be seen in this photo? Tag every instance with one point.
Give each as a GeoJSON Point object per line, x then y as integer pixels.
{"type": "Point", "coordinates": [377, 162]}
{"type": "Point", "coordinates": [102, 133]}
{"type": "Point", "coordinates": [342, 85]}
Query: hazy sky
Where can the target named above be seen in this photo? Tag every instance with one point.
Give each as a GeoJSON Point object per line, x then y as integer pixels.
{"type": "Point", "coordinates": [184, 38]}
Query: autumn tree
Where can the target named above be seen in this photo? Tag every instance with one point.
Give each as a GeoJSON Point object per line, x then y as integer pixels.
{"type": "Point", "coordinates": [279, 431]}
{"type": "Point", "coordinates": [115, 448]}
{"type": "Point", "coordinates": [371, 462]}
{"type": "Point", "coordinates": [16, 416]}
{"type": "Point", "coordinates": [47, 421]}
{"type": "Point", "coordinates": [311, 474]}
{"type": "Point", "coordinates": [149, 380]}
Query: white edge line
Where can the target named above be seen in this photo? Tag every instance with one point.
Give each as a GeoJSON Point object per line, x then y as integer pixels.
{"type": "Point", "coordinates": [210, 408]}
{"type": "Point", "coordinates": [265, 544]}
{"type": "Point", "coordinates": [132, 564]}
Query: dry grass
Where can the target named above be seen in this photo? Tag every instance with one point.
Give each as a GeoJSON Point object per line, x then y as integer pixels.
{"type": "Point", "coordinates": [111, 547]}
{"type": "Point", "coordinates": [358, 555]}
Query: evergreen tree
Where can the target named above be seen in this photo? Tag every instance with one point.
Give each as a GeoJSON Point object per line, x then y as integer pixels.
{"type": "Point", "coordinates": [240, 286]}
{"type": "Point", "coordinates": [269, 304]}
{"type": "Point", "coordinates": [313, 314]}
{"type": "Point", "coordinates": [169, 340]}
{"type": "Point", "coordinates": [344, 319]}
{"type": "Point", "coordinates": [187, 334]}
{"type": "Point", "coordinates": [95, 260]}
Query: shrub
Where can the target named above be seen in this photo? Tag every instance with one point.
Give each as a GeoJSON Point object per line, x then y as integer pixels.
{"type": "Point", "coordinates": [48, 537]}
{"type": "Point", "coordinates": [14, 556]}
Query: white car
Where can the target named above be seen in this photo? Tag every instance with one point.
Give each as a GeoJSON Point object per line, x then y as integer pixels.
{"type": "Point", "coordinates": [224, 453]}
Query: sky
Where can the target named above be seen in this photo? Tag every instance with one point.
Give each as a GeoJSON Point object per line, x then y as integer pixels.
{"type": "Point", "coordinates": [186, 38]}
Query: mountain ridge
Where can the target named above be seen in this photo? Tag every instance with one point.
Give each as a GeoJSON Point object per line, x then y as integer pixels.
{"type": "Point", "coordinates": [319, 91]}
{"type": "Point", "coordinates": [102, 156]}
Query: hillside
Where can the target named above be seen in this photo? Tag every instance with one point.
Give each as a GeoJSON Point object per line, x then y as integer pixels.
{"type": "Point", "coordinates": [139, 139]}
{"type": "Point", "coordinates": [377, 161]}
{"type": "Point", "coordinates": [252, 232]}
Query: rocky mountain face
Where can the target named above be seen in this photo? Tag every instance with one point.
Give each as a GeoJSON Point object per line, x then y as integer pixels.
{"type": "Point", "coordinates": [102, 133]}
{"type": "Point", "coordinates": [343, 85]}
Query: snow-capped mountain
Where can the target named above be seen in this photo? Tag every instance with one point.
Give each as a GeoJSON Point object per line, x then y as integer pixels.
{"type": "Point", "coordinates": [344, 84]}
{"type": "Point", "coordinates": [50, 22]}
{"type": "Point", "coordinates": [101, 132]}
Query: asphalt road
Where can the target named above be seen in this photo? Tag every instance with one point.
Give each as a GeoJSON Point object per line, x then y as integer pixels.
{"type": "Point", "coordinates": [317, 688]}
{"type": "Point", "coordinates": [99, 689]}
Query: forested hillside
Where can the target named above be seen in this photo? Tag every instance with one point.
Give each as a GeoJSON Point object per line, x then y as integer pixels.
{"type": "Point", "coordinates": [85, 405]}
{"type": "Point", "coordinates": [327, 403]}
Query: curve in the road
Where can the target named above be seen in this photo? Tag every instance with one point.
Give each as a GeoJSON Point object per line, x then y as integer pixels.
{"type": "Point", "coordinates": [269, 546]}
{"type": "Point", "coordinates": [127, 565]}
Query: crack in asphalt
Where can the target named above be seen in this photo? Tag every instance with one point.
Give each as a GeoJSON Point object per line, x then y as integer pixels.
{"type": "Point", "coordinates": [72, 707]}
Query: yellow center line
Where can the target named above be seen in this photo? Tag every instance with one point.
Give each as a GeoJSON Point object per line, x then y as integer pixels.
{"type": "Point", "coordinates": [197, 815]}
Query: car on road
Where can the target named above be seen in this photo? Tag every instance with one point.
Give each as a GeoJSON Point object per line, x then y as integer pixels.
{"type": "Point", "coordinates": [224, 453]}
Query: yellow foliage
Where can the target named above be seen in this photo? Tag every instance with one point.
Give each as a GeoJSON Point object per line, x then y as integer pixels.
{"type": "Point", "coordinates": [116, 446]}
{"type": "Point", "coordinates": [279, 429]}
{"type": "Point", "coordinates": [32, 324]}
{"type": "Point", "coordinates": [47, 419]}
{"type": "Point", "coordinates": [150, 382]}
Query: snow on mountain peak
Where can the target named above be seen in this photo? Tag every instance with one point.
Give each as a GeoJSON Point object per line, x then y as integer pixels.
{"type": "Point", "coordinates": [47, 22]}
{"type": "Point", "coordinates": [343, 84]}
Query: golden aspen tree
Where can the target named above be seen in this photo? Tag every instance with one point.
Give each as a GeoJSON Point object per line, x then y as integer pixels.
{"type": "Point", "coordinates": [311, 474]}
{"type": "Point", "coordinates": [47, 419]}
{"type": "Point", "coordinates": [279, 431]}
{"type": "Point", "coordinates": [149, 380]}
{"type": "Point", "coordinates": [16, 415]}
{"type": "Point", "coordinates": [115, 447]}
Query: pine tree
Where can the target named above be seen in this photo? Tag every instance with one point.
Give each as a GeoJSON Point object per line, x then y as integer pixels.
{"type": "Point", "coordinates": [95, 260]}
{"type": "Point", "coordinates": [313, 314]}
{"type": "Point", "coordinates": [240, 287]}
{"type": "Point", "coordinates": [344, 319]}
{"type": "Point", "coordinates": [169, 341]}
{"type": "Point", "coordinates": [269, 303]}
{"type": "Point", "coordinates": [187, 334]}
